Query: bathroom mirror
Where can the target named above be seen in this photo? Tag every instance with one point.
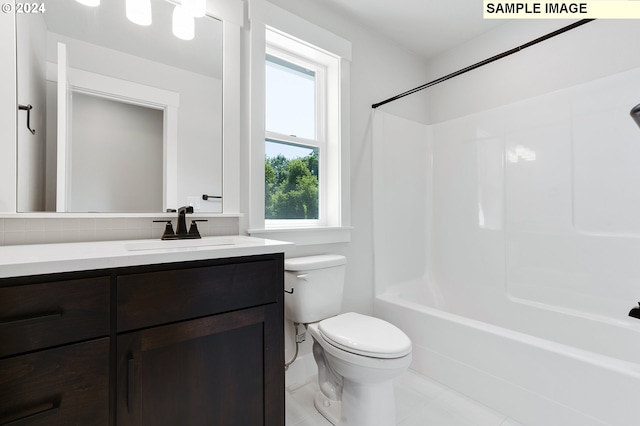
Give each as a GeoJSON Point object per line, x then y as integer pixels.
{"type": "Point", "coordinates": [115, 116]}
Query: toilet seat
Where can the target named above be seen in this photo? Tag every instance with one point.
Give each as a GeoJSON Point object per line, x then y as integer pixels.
{"type": "Point", "coordinates": [365, 335]}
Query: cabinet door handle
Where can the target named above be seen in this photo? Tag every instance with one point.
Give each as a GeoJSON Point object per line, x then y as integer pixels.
{"type": "Point", "coordinates": [35, 416]}
{"type": "Point", "coordinates": [25, 321]}
{"type": "Point", "coordinates": [130, 383]}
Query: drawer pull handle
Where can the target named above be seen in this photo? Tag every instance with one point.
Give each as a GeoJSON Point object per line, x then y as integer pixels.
{"type": "Point", "coordinates": [130, 383]}
{"type": "Point", "coordinates": [35, 416]}
{"type": "Point", "coordinates": [26, 321]}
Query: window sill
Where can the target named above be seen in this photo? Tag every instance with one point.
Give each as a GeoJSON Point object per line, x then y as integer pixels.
{"type": "Point", "coordinates": [306, 236]}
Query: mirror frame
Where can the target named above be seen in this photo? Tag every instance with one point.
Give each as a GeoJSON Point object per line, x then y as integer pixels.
{"type": "Point", "coordinates": [231, 13]}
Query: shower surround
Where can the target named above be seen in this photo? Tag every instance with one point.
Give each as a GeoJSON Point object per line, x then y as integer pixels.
{"type": "Point", "coordinates": [521, 233]}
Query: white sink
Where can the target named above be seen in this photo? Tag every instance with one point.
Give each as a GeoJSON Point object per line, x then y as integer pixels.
{"type": "Point", "coordinates": [180, 244]}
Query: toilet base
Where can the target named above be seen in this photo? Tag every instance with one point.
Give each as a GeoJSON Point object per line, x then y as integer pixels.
{"type": "Point", "coordinates": [329, 409]}
{"type": "Point", "coordinates": [365, 405]}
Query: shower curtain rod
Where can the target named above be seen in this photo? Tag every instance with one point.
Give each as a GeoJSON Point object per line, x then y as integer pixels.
{"type": "Point", "coordinates": [485, 62]}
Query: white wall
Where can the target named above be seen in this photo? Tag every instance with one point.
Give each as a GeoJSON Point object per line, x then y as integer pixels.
{"type": "Point", "coordinates": [110, 136]}
{"type": "Point", "coordinates": [31, 58]}
{"type": "Point", "coordinates": [596, 49]}
{"type": "Point", "coordinates": [8, 112]}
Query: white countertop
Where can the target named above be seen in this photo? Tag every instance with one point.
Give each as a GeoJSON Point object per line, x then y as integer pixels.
{"type": "Point", "coordinates": [22, 260]}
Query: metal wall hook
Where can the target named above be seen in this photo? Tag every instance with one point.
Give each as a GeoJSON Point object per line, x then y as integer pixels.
{"type": "Point", "coordinates": [289, 291]}
{"type": "Point", "coordinates": [27, 108]}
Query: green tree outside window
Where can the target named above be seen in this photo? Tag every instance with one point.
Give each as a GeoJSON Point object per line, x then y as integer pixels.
{"type": "Point", "coordinates": [291, 187]}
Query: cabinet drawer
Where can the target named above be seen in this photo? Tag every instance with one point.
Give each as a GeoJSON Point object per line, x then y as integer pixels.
{"type": "Point", "coordinates": [35, 316]}
{"type": "Point", "coordinates": [154, 298]}
{"type": "Point", "coordinates": [62, 386]}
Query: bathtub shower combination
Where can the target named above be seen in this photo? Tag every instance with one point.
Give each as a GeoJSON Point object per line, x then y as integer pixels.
{"type": "Point", "coordinates": [521, 261]}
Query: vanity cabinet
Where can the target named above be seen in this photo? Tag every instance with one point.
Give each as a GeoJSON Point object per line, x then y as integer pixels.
{"type": "Point", "coordinates": [54, 351]}
{"type": "Point", "coordinates": [202, 344]}
{"type": "Point", "coordinates": [193, 343]}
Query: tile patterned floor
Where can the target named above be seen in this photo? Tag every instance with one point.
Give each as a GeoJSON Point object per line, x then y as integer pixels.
{"type": "Point", "coordinates": [419, 402]}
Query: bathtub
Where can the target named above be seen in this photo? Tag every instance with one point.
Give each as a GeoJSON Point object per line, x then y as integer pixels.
{"type": "Point", "coordinates": [525, 375]}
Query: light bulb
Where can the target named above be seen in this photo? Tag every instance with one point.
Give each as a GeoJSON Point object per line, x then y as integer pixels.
{"type": "Point", "coordinates": [196, 8]}
{"type": "Point", "coordinates": [92, 3]}
{"type": "Point", "coordinates": [183, 24]}
{"type": "Point", "coordinates": [139, 11]}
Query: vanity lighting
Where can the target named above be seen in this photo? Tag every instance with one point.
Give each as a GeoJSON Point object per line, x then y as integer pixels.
{"type": "Point", "coordinates": [196, 8]}
{"type": "Point", "coordinates": [183, 23]}
{"type": "Point", "coordinates": [139, 11]}
{"type": "Point", "coordinates": [92, 3]}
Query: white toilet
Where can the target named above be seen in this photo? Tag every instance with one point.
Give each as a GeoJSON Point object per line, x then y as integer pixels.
{"type": "Point", "coordinates": [357, 355]}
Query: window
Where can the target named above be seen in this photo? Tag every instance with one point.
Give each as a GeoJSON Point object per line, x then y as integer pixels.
{"type": "Point", "coordinates": [299, 131]}
{"type": "Point", "coordinates": [295, 137]}
{"type": "Point", "coordinates": [302, 137]}
{"type": "Point", "coordinates": [291, 181]}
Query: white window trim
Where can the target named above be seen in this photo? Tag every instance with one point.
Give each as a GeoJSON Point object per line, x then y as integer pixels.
{"type": "Point", "coordinates": [338, 225]}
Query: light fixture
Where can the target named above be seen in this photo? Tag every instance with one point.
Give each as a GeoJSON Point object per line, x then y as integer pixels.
{"type": "Point", "coordinates": [183, 25]}
{"type": "Point", "coordinates": [196, 8]}
{"type": "Point", "coordinates": [139, 11]}
{"type": "Point", "coordinates": [92, 3]}
{"type": "Point", "coordinates": [184, 14]}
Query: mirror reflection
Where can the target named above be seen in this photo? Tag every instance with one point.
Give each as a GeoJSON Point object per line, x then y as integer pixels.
{"type": "Point", "coordinates": [117, 116]}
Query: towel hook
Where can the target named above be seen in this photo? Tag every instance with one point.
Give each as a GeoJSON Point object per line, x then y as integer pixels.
{"type": "Point", "coordinates": [27, 108]}
{"type": "Point", "coordinates": [206, 197]}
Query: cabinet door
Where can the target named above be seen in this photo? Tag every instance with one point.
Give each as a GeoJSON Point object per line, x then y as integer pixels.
{"type": "Point", "coordinates": [63, 386]}
{"type": "Point", "coordinates": [226, 369]}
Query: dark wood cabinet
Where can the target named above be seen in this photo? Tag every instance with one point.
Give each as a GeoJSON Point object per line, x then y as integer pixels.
{"type": "Point", "coordinates": [189, 343]}
{"type": "Point", "coordinates": [44, 314]}
{"type": "Point", "coordinates": [62, 386]}
{"type": "Point", "coordinates": [206, 348]}
{"type": "Point", "coordinates": [206, 371]}
{"type": "Point", "coordinates": [161, 296]}
{"type": "Point", "coordinates": [54, 351]}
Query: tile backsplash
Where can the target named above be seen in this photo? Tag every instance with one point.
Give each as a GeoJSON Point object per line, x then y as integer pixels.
{"type": "Point", "coordinates": [14, 231]}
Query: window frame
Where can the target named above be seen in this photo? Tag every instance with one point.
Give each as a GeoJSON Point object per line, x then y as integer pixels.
{"type": "Point", "coordinates": [306, 56]}
{"type": "Point", "coordinates": [287, 28]}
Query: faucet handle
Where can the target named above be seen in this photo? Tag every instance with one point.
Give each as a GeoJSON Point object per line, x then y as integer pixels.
{"type": "Point", "coordinates": [193, 229]}
{"type": "Point", "coordinates": [168, 230]}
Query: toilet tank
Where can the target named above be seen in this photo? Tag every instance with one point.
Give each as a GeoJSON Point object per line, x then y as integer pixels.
{"type": "Point", "coordinates": [317, 283]}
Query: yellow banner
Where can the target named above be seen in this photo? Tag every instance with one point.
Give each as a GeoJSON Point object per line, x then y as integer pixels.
{"type": "Point", "coordinates": [588, 9]}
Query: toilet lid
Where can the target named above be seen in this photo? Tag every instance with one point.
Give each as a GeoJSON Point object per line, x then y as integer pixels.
{"type": "Point", "coordinates": [365, 335]}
